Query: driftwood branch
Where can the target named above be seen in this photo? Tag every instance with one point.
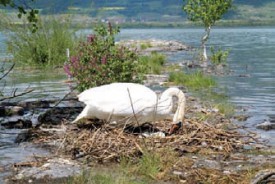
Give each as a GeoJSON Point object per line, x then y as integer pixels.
{"type": "Point", "coordinates": [14, 95]}
{"type": "Point", "coordinates": [264, 175]}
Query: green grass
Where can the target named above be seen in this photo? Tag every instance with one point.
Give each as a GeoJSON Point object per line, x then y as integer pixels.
{"type": "Point", "coordinates": [94, 176]}
{"type": "Point", "coordinates": [202, 86]}
{"type": "Point", "coordinates": [149, 165]}
{"type": "Point", "coordinates": [226, 108]}
{"type": "Point", "coordinates": [44, 48]}
{"type": "Point", "coordinates": [153, 63]}
{"type": "Point", "coordinates": [194, 81]}
{"type": "Point", "coordinates": [143, 170]}
{"type": "Point", "coordinates": [145, 45]}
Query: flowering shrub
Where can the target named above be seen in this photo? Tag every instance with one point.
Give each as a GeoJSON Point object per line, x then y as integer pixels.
{"type": "Point", "coordinates": [99, 61]}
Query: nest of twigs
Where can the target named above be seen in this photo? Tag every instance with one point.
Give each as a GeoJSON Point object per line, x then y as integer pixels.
{"type": "Point", "coordinates": [99, 141]}
{"type": "Point", "coordinates": [104, 143]}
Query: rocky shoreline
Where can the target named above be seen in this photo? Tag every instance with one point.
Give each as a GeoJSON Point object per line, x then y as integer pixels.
{"type": "Point", "coordinates": [55, 121]}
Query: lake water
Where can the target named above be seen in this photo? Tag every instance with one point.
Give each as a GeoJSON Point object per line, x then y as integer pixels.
{"type": "Point", "coordinates": [252, 54]}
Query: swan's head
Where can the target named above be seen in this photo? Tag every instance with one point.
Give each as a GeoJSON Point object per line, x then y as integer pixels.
{"type": "Point", "coordinates": [174, 128]}
{"type": "Point", "coordinates": [180, 111]}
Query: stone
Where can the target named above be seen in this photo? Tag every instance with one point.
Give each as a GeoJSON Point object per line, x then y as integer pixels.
{"type": "Point", "coordinates": [152, 79]}
{"type": "Point", "coordinates": [207, 164]}
{"type": "Point", "coordinates": [266, 125]}
{"type": "Point", "coordinates": [17, 110]}
{"type": "Point", "coordinates": [55, 115]}
{"type": "Point", "coordinates": [2, 111]}
{"type": "Point", "coordinates": [154, 45]}
{"type": "Point", "coordinates": [247, 147]}
{"type": "Point", "coordinates": [23, 136]}
{"type": "Point", "coordinates": [16, 122]}
{"type": "Point", "coordinates": [226, 172]}
{"type": "Point", "coordinates": [35, 104]}
{"type": "Point", "coordinates": [54, 168]}
{"type": "Point", "coordinates": [11, 110]}
{"type": "Point", "coordinates": [178, 173]}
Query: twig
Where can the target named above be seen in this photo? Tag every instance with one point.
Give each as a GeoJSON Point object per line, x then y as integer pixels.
{"type": "Point", "coordinates": [132, 106]}
{"type": "Point", "coordinates": [58, 102]}
{"type": "Point", "coordinates": [16, 95]}
{"type": "Point", "coordinates": [9, 70]}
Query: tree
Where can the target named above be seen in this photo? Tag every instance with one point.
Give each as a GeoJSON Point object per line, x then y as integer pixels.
{"type": "Point", "coordinates": [23, 9]}
{"type": "Point", "coordinates": [208, 12]}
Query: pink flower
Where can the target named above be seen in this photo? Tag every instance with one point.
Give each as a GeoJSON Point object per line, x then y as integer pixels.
{"type": "Point", "coordinates": [104, 60]}
{"type": "Point", "coordinates": [74, 61]}
{"type": "Point", "coordinates": [66, 68]}
{"type": "Point", "coordinates": [90, 38]}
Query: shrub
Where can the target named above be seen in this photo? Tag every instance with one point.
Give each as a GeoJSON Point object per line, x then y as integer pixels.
{"type": "Point", "coordinates": [46, 47]}
{"type": "Point", "coordinates": [218, 56]}
{"type": "Point", "coordinates": [99, 61]}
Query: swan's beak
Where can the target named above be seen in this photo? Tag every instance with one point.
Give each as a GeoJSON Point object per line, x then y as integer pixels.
{"type": "Point", "coordinates": [175, 127]}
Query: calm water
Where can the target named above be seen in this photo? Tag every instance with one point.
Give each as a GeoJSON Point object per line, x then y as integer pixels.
{"type": "Point", "coordinates": [252, 52]}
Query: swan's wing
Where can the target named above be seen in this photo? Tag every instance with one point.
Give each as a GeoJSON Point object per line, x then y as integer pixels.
{"type": "Point", "coordinates": [118, 98]}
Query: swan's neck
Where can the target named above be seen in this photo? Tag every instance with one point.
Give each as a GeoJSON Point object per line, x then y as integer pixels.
{"type": "Point", "coordinates": [168, 94]}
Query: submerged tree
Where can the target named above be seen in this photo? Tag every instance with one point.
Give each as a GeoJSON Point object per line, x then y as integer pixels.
{"type": "Point", "coordinates": [207, 12]}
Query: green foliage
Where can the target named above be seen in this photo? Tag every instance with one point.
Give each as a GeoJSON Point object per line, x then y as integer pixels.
{"type": "Point", "coordinates": [99, 61]}
{"type": "Point", "coordinates": [195, 81]}
{"type": "Point", "coordinates": [206, 11]}
{"type": "Point", "coordinates": [23, 9]}
{"type": "Point", "coordinates": [46, 47]}
{"type": "Point", "coordinates": [218, 56]}
{"type": "Point", "coordinates": [153, 63]}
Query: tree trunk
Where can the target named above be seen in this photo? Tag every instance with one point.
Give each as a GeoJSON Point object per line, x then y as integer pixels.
{"type": "Point", "coordinates": [203, 42]}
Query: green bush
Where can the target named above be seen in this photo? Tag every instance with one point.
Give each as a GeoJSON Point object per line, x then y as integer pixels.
{"type": "Point", "coordinates": [218, 56]}
{"type": "Point", "coordinates": [46, 47]}
{"type": "Point", "coordinates": [99, 61]}
{"type": "Point", "coordinates": [153, 63]}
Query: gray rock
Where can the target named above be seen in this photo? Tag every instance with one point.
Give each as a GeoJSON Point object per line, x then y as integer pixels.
{"type": "Point", "coordinates": [11, 110]}
{"type": "Point", "coordinates": [35, 104]}
{"type": "Point", "coordinates": [207, 164]}
{"type": "Point", "coordinates": [266, 125]}
{"type": "Point", "coordinates": [55, 115]}
{"type": "Point", "coordinates": [54, 168]}
{"type": "Point", "coordinates": [154, 45]}
{"type": "Point", "coordinates": [156, 79]}
{"type": "Point", "coordinates": [16, 122]}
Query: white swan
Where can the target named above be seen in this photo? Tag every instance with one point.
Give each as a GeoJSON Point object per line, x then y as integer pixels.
{"type": "Point", "coordinates": [126, 103]}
